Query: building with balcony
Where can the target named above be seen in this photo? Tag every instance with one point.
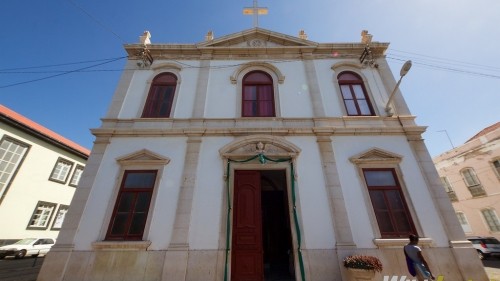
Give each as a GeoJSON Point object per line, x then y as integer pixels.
{"type": "Point", "coordinates": [470, 175]}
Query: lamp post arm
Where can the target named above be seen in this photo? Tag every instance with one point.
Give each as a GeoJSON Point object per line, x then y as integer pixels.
{"type": "Point", "coordinates": [387, 107]}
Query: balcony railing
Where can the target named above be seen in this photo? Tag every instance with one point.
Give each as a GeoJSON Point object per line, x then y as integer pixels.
{"type": "Point", "coordinates": [477, 190]}
{"type": "Point", "coordinates": [453, 196]}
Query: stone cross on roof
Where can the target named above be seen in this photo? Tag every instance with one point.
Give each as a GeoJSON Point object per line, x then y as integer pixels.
{"type": "Point", "coordinates": [255, 11]}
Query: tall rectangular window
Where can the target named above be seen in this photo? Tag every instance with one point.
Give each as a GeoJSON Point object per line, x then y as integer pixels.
{"type": "Point", "coordinates": [42, 215]}
{"type": "Point", "coordinates": [61, 170]}
{"type": "Point", "coordinates": [449, 189]}
{"type": "Point", "coordinates": [496, 166]}
{"type": "Point", "coordinates": [132, 205]}
{"type": "Point", "coordinates": [472, 182]}
{"type": "Point", "coordinates": [77, 174]}
{"type": "Point", "coordinates": [392, 213]}
{"type": "Point", "coordinates": [463, 222]}
{"type": "Point", "coordinates": [491, 219]}
{"type": "Point", "coordinates": [60, 215]}
{"type": "Point", "coordinates": [12, 153]}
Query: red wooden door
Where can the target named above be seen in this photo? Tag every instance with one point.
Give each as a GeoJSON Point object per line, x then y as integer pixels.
{"type": "Point", "coordinates": [246, 251]}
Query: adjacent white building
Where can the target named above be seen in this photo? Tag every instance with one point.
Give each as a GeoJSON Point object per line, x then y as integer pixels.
{"type": "Point", "coordinates": [39, 172]}
{"type": "Point", "coordinates": [254, 156]}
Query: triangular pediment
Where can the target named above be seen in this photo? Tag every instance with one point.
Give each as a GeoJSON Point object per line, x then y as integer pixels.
{"type": "Point", "coordinates": [143, 156]}
{"type": "Point", "coordinates": [258, 38]}
{"type": "Point", "coordinates": [376, 155]}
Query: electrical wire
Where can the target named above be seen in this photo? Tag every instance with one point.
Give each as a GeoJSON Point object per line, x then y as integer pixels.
{"type": "Point", "coordinates": [60, 74]}
{"type": "Point", "coordinates": [96, 20]}
{"type": "Point", "coordinates": [10, 70]}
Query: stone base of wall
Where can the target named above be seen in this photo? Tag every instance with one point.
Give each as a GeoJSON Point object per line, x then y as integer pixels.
{"type": "Point", "coordinates": [208, 265]}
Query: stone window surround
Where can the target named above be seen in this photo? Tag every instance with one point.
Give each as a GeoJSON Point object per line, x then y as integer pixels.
{"type": "Point", "coordinates": [140, 160]}
{"type": "Point", "coordinates": [344, 66]}
{"type": "Point", "coordinates": [378, 158]}
{"type": "Point", "coordinates": [73, 175]}
{"type": "Point", "coordinates": [38, 205]}
{"type": "Point", "coordinates": [273, 71]}
{"type": "Point", "coordinates": [172, 68]}
{"type": "Point", "coordinates": [495, 169]}
{"type": "Point", "coordinates": [61, 160]}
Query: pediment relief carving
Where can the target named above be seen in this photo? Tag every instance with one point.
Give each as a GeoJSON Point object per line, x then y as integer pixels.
{"type": "Point", "coordinates": [376, 155]}
{"type": "Point", "coordinates": [258, 38]}
{"type": "Point", "coordinates": [270, 146]}
{"type": "Point", "coordinates": [143, 157]}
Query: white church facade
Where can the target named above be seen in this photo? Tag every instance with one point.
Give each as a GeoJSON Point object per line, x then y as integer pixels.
{"type": "Point", "coordinates": [254, 156]}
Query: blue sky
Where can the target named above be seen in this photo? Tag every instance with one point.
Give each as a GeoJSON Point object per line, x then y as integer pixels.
{"type": "Point", "coordinates": [453, 84]}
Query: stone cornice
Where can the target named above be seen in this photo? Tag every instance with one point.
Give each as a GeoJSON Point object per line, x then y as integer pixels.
{"type": "Point", "coordinates": [194, 52]}
{"type": "Point", "coordinates": [340, 126]}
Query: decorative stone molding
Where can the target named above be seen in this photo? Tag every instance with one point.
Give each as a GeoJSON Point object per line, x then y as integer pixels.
{"type": "Point", "coordinates": [121, 245]}
{"type": "Point", "coordinates": [346, 65]}
{"type": "Point", "coordinates": [266, 66]}
{"type": "Point", "coordinates": [398, 243]}
{"type": "Point", "coordinates": [376, 155]}
{"type": "Point", "coordinates": [166, 65]}
{"type": "Point", "coordinates": [461, 244]}
{"type": "Point", "coordinates": [271, 146]}
{"type": "Point", "coordinates": [143, 157]}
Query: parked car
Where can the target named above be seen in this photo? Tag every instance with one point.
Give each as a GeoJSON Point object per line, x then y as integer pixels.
{"type": "Point", "coordinates": [27, 246]}
{"type": "Point", "coordinates": [486, 246]}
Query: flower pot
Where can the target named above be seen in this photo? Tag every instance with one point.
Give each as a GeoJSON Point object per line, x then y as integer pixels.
{"type": "Point", "coordinates": [361, 274]}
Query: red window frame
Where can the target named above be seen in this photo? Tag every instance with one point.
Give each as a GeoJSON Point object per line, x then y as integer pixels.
{"type": "Point", "coordinates": [257, 95]}
{"type": "Point", "coordinates": [353, 92]}
{"type": "Point", "coordinates": [160, 96]}
{"type": "Point", "coordinates": [388, 202]}
{"type": "Point", "coordinates": [132, 205]}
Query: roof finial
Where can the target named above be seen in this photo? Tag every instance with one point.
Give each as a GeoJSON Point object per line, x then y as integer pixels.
{"type": "Point", "coordinates": [255, 11]}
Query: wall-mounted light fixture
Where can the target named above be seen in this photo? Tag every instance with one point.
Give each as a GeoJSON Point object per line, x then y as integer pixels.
{"type": "Point", "coordinates": [404, 70]}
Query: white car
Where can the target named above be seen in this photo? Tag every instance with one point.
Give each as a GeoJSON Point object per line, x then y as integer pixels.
{"type": "Point", "coordinates": [27, 246]}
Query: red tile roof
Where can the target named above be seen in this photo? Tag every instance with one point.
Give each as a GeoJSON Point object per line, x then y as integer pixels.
{"type": "Point", "coordinates": [18, 118]}
{"type": "Point", "coordinates": [485, 131]}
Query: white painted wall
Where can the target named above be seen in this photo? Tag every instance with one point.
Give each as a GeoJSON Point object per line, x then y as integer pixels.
{"type": "Point", "coordinates": [209, 208]}
{"type": "Point", "coordinates": [353, 187]}
{"type": "Point", "coordinates": [31, 184]}
{"type": "Point", "coordinates": [314, 211]}
{"type": "Point", "coordinates": [103, 195]}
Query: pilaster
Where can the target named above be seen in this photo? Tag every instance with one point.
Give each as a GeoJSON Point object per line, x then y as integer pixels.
{"type": "Point", "coordinates": [312, 81]}
{"type": "Point", "coordinates": [341, 225]}
{"type": "Point", "coordinates": [202, 86]}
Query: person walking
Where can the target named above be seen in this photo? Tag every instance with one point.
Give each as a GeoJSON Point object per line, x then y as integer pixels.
{"type": "Point", "coordinates": [417, 265]}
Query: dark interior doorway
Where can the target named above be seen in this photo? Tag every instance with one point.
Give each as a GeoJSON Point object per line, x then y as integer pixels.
{"type": "Point", "coordinates": [261, 234]}
{"type": "Point", "coordinates": [276, 233]}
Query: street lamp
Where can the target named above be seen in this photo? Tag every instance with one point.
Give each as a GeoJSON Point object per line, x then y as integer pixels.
{"type": "Point", "coordinates": [404, 70]}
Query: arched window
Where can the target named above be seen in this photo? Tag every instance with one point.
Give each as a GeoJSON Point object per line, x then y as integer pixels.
{"type": "Point", "coordinates": [160, 97]}
{"type": "Point", "coordinates": [258, 95]}
{"type": "Point", "coordinates": [356, 100]}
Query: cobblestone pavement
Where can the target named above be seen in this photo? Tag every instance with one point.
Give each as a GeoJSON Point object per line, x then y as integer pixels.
{"type": "Point", "coordinates": [27, 269]}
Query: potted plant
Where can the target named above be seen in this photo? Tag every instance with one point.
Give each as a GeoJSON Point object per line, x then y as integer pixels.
{"type": "Point", "coordinates": [363, 267]}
